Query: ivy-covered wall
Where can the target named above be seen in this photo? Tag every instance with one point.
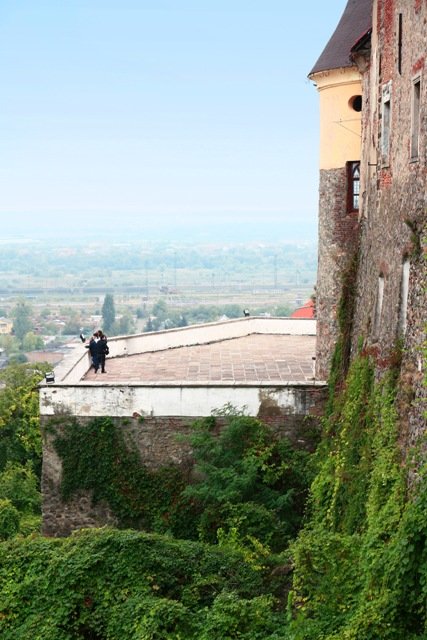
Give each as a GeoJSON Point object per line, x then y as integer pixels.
{"type": "Point", "coordinates": [360, 562]}
{"type": "Point", "coordinates": [127, 450]}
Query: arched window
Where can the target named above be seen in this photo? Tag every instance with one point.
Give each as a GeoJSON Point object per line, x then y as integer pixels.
{"type": "Point", "coordinates": [353, 186]}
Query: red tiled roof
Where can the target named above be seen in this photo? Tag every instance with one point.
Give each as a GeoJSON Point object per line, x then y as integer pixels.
{"type": "Point", "coordinates": [306, 311]}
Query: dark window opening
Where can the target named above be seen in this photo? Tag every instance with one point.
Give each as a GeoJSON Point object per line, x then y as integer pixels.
{"type": "Point", "coordinates": [353, 185]}
{"type": "Point", "coordinates": [385, 124]}
{"type": "Point", "coordinates": [356, 103]}
{"type": "Point", "coordinates": [415, 120]}
{"type": "Point", "coordinates": [399, 44]}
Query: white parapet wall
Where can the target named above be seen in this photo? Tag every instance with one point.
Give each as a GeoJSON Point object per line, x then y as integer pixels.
{"type": "Point", "coordinates": [294, 398]}
{"type": "Point", "coordinates": [75, 365]}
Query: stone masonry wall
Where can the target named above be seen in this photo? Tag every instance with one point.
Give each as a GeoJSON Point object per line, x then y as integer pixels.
{"type": "Point", "coordinates": [394, 228]}
{"type": "Point", "coordinates": [338, 236]}
{"type": "Point", "coordinates": [158, 444]}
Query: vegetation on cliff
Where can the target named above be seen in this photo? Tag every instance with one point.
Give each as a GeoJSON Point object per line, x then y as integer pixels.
{"type": "Point", "coordinates": [125, 585]}
{"type": "Point", "coordinates": [357, 569]}
{"type": "Point", "coordinates": [20, 450]}
{"type": "Point", "coordinates": [360, 563]}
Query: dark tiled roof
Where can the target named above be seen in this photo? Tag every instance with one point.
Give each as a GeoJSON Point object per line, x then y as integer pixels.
{"type": "Point", "coordinates": [354, 23]}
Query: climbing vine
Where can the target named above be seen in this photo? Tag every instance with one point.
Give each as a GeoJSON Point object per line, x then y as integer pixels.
{"type": "Point", "coordinates": [345, 314]}
{"type": "Point", "coordinates": [361, 559]}
{"type": "Point", "coordinates": [97, 459]}
{"type": "Point", "coordinates": [246, 484]}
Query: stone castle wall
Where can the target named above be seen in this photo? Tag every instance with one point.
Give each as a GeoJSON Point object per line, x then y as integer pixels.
{"type": "Point", "coordinates": [390, 290]}
{"type": "Point", "coordinates": [338, 237]}
{"type": "Point", "coordinates": [394, 226]}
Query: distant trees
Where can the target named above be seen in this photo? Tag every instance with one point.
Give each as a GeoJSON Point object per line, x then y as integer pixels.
{"type": "Point", "coordinates": [160, 310]}
{"type": "Point", "coordinates": [23, 339]}
{"type": "Point", "coordinates": [162, 317]}
{"type": "Point", "coordinates": [149, 326]}
{"type": "Point", "coordinates": [108, 312]}
{"type": "Point", "coordinates": [21, 315]}
{"type": "Point", "coordinates": [283, 311]}
{"type": "Point", "coordinates": [123, 325]}
{"type": "Point", "coordinates": [32, 342]}
{"type": "Point", "coordinates": [10, 344]}
{"type": "Point", "coordinates": [73, 321]}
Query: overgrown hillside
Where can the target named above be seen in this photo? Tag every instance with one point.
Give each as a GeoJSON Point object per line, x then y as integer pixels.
{"type": "Point", "coordinates": [125, 585]}
{"type": "Point", "coordinates": [356, 570]}
{"type": "Point", "coordinates": [360, 562]}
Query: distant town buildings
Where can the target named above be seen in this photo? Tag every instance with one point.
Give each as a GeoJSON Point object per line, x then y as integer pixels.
{"type": "Point", "coordinates": [6, 326]}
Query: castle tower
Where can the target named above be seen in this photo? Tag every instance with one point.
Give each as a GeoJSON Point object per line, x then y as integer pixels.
{"type": "Point", "coordinates": [338, 82]}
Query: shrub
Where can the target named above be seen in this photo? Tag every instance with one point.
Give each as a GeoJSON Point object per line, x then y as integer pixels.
{"type": "Point", "coordinates": [9, 520]}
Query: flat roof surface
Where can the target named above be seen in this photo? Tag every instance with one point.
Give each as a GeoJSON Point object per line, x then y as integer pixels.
{"type": "Point", "coordinates": [254, 358]}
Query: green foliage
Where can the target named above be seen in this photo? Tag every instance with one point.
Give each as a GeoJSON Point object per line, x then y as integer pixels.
{"type": "Point", "coordinates": [249, 480]}
{"type": "Point", "coordinates": [19, 484]}
{"type": "Point", "coordinates": [21, 314]}
{"type": "Point", "coordinates": [17, 358]}
{"type": "Point", "coordinates": [244, 479]}
{"type": "Point", "coordinates": [345, 313]}
{"type": "Point", "coordinates": [9, 519]}
{"type": "Point", "coordinates": [361, 560]}
{"type": "Point", "coordinates": [96, 458]}
{"type": "Point", "coordinates": [233, 617]}
{"type": "Point", "coordinates": [110, 585]}
{"type": "Point", "coordinates": [20, 439]}
{"type": "Point", "coordinates": [9, 343]}
{"type": "Point", "coordinates": [160, 309]}
{"type": "Point", "coordinates": [20, 445]}
{"type": "Point", "coordinates": [283, 311]}
{"type": "Point", "coordinates": [108, 312]}
{"type": "Point", "coordinates": [124, 325]}
{"type": "Point", "coordinates": [32, 342]}
{"type": "Point", "coordinates": [326, 581]}
{"type": "Point", "coordinates": [338, 493]}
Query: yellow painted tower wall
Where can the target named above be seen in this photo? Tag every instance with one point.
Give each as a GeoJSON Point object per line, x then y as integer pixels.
{"type": "Point", "coordinates": [340, 124]}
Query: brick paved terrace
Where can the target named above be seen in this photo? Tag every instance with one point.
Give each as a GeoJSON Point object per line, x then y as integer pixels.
{"type": "Point", "coordinates": [266, 358]}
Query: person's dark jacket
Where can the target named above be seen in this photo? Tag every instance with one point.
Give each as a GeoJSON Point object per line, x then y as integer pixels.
{"type": "Point", "coordinates": [102, 347]}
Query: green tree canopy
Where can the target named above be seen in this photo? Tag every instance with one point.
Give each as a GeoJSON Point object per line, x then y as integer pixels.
{"type": "Point", "coordinates": [20, 439]}
{"type": "Point", "coordinates": [160, 309]}
{"type": "Point", "coordinates": [249, 481]}
{"type": "Point", "coordinates": [21, 314]}
{"type": "Point", "coordinates": [108, 312]}
{"type": "Point", "coordinates": [32, 342]}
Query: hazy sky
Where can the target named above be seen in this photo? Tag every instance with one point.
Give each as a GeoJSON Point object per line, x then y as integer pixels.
{"type": "Point", "coordinates": [158, 113]}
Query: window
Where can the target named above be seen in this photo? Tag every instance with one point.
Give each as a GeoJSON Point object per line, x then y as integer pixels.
{"type": "Point", "coordinates": [379, 305]}
{"type": "Point", "coordinates": [385, 124]}
{"type": "Point", "coordinates": [404, 292]}
{"type": "Point", "coordinates": [353, 186]}
{"type": "Point", "coordinates": [399, 43]}
{"type": "Point", "coordinates": [415, 119]}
